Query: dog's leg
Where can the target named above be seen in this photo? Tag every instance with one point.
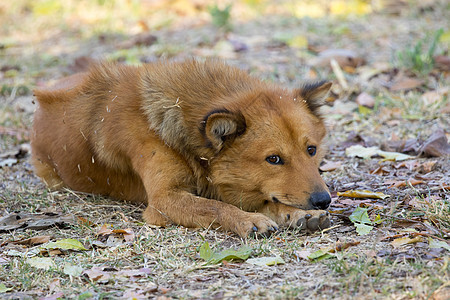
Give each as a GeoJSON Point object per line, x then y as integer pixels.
{"type": "Point", "coordinates": [169, 185]}
{"type": "Point", "coordinates": [289, 216]}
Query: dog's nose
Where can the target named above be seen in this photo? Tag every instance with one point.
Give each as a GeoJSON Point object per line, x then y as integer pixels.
{"type": "Point", "coordinates": [320, 200]}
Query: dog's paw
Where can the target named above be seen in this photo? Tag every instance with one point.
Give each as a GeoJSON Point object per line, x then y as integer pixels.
{"type": "Point", "coordinates": [255, 224]}
{"type": "Point", "coordinates": [312, 220]}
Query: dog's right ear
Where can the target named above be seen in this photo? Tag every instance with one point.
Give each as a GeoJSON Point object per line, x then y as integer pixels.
{"type": "Point", "coordinates": [222, 126]}
{"type": "Point", "coordinates": [314, 95]}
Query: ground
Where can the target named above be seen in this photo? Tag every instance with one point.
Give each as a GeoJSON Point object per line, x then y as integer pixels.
{"type": "Point", "coordinates": [390, 91]}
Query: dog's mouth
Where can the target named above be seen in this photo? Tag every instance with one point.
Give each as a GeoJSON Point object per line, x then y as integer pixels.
{"type": "Point", "coordinates": [286, 201]}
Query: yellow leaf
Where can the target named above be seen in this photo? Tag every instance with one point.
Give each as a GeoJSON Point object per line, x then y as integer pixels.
{"type": "Point", "coordinates": [299, 42]}
{"type": "Point", "coordinates": [350, 7]}
{"type": "Point", "coordinates": [405, 240]}
{"type": "Point", "coordinates": [363, 194]}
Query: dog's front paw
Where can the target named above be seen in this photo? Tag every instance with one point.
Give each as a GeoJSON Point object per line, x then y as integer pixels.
{"type": "Point", "coordinates": [311, 220]}
{"type": "Point", "coordinates": [255, 224]}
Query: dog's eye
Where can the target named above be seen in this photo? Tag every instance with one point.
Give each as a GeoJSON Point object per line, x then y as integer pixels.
{"type": "Point", "coordinates": [274, 160]}
{"type": "Point", "coordinates": [311, 150]}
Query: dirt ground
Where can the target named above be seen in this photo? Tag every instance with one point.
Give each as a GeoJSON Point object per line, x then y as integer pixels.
{"type": "Point", "coordinates": [390, 91]}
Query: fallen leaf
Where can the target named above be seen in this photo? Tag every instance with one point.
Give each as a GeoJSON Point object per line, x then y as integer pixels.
{"type": "Point", "coordinates": [342, 246]}
{"type": "Point", "coordinates": [34, 221]}
{"type": "Point", "coordinates": [33, 241]}
{"type": "Point", "coordinates": [363, 194]}
{"type": "Point", "coordinates": [401, 183]}
{"type": "Point", "coordinates": [4, 289]}
{"type": "Point", "coordinates": [65, 244]}
{"type": "Point", "coordinates": [8, 162]}
{"type": "Point", "coordinates": [212, 257]}
{"type": "Point", "coordinates": [302, 254]}
{"type": "Point", "coordinates": [435, 96]}
{"type": "Point", "coordinates": [410, 164]}
{"type": "Point", "coordinates": [436, 145]}
{"type": "Point", "coordinates": [96, 274]}
{"type": "Point", "coordinates": [72, 270]}
{"type": "Point", "coordinates": [298, 42]}
{"type": "Point", "coordinates": [405, 83]}
{"type": "Point", "coordinates": [266, 261]}
{"type": "Point", "coordinates": [366, 100]}
{"type": "Point", "coordinates": [105, 230]}
{"type": "Point", "coordinates": [438, 244]}
{"type": "Point", "coordinates": [44, 263]}
{"type": "Point", "coordinates": [442, 62]}
{"type": "Point", "coordinates": [320, 254]}
{"type": "Point", "coordinates": [368, 152]}
{"type": "Point", "coordinates": [81, 64]}
{"type": "Point", "coordinates": [330, 166]}
{"type": "Point", "coordinates": [55, 296]}
{"type": "Point", "coordinates": [142, 39]}
{"type": "Point", "coordinates": [360, 215]}
{"type": "Point", "coordinates": [381, 170]}
{"type": "Point", "coordinates": [343, 57]}
{"type": "Point", "coordinates": [405, 240]}
{"type": "Point", "coordinates": [363, 229]}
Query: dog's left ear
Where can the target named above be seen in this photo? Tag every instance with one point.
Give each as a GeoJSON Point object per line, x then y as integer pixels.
{"type": "Point", "coordinates": [314, 95]}
{"type": "Point", "coordinates": [222, 126]}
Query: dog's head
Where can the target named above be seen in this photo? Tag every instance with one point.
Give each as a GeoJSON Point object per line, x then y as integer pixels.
{"type": "Point", "coordinates": [269, 145]}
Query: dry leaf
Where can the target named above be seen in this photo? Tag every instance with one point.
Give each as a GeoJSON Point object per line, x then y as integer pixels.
{"type": "Point", "coordinates": [405, 83]}
{"type": "Point", "coordinates": [368, 152]}
{"type": "Point", "coordinates": [33, 241]}
{"type": "Point", "coordinates": [401, 183]}
{"type": "Point", "coordinates": [303, 254]}
{"type": "Point", "coordinates": [442, 62]}
{"type": "Point", "coordinates": [366, 100]}
{"type": "Point", "coordinates": [343, 57]}
{"type": "Point", "coordinates": [405, 240]}
{"type": "Point", "coordinates": [437, 145]}
{"type": "Point", "coordinates": [330, 166]}
{"type": "Point", "coordinates": [380, 171]}
{"type": "Point", "coordinates": [363, 194]}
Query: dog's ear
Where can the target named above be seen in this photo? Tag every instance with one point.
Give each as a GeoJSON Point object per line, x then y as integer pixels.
{"type": "Point", "coordinates": [222, 126]}
{"type": "Point", "coordinates": [314, 95]}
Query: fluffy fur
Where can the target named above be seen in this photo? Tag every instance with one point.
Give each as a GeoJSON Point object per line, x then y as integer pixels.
{"type": "Point", "coordinates": [196, 141]}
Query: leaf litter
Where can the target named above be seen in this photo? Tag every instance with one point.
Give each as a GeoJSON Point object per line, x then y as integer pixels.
{"type": "Point", "coordinates": [374, 103]}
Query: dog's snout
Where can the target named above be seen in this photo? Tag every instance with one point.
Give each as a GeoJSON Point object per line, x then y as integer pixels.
{"type": "Point", "coordinates": [320, 200]}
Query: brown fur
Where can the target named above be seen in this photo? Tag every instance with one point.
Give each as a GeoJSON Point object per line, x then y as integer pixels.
{"type": "Point", "coordinates": [189, 139]}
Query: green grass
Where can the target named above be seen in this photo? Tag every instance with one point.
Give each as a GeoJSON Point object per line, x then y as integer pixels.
{"type": "Point", "coordinates": [418, 57]}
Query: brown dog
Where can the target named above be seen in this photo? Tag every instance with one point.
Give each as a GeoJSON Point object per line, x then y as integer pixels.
{"type": "Point", "coordinates": [203, 144]}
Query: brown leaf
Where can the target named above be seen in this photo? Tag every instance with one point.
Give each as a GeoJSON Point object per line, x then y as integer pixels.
{"type": "Point", "coordinates": [81, 64]}
{"type": "Point", "coordinates": [380, 171]}
{"type": "Point", "coordinates": [33, 241]}
{"type": "Point", "coordinates": [405, 83]}
{"type": "Point", "coordinates": [400, 183]}
{"type": "Point", "coordinates": [427, 166]}
{"type": "Point", "coordinates": [409, 164]}
{"type": "Point", "coordinates": [442, 62]}
{"type": "Point", "coordinates": [143, 39]}
{"type": "Point", "coordinates": [34, 221]}
{"type": "Point", "coordinates": [437, 145]}
{"type": "Point", "coordinates": [344, 58]}
{"type": "Point", "coordinates": [96, 274]}
{"type": "Point", "coordinates": [105, 230]}
{"type": "Point", "coordinates": [342, 246]}
{"type": "Point", "coordinates": [330, 166]}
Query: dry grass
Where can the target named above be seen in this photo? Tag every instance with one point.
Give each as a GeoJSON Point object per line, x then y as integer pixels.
{"type": "Point", "coordinates": [165, 262]}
